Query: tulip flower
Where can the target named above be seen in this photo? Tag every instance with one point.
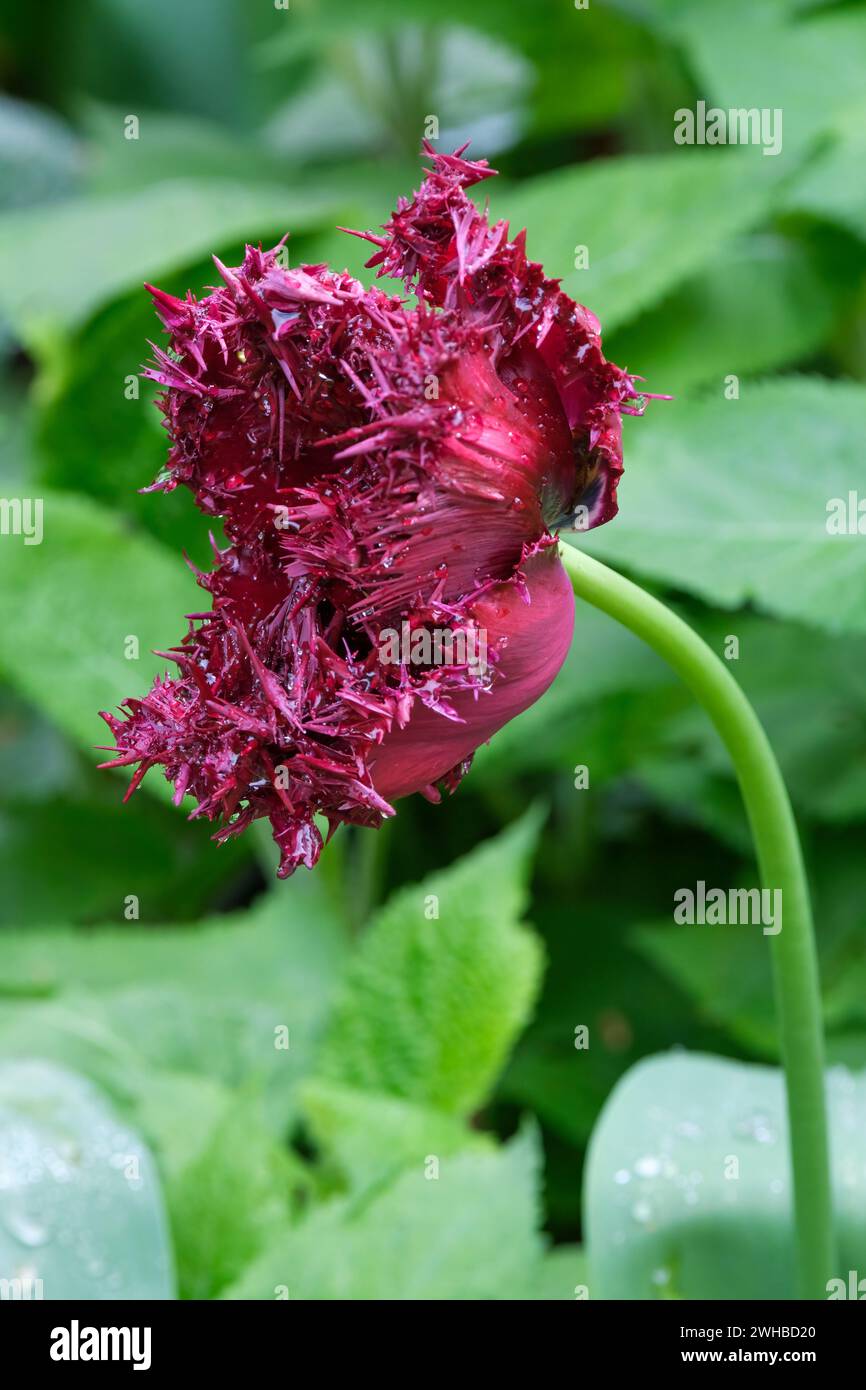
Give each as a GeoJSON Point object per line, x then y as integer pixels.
{"type": "Point", "coordinates": [381, 465]}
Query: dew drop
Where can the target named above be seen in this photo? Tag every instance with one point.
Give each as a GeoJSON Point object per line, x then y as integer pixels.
{"type": "Point", "coordinates": [25, 1229]}
{"type": "Point", "coordinates": [758, 1127]}
{"type": "Point", "coordinates": [648, 1167]}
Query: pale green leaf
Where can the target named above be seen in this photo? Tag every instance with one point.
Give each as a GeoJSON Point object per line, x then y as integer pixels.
{"type": "Point", "coordinates": [688, 1188]}
{"type": "Point", "coordinates": [81, 1211]}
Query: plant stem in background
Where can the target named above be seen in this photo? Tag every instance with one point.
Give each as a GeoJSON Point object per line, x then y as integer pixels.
{"type": "Point", "coordinates": [362, 869]}
{"type": "Point", "coordinates": [781, 866]}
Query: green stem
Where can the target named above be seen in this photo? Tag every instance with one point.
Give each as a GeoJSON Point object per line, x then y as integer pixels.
{"type": "Point", "coordinates": [780, 861]}
{"type": "Point", "coordinates": [362, 869]}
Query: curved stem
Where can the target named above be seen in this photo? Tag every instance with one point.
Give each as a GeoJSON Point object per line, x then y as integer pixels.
{"type": "Point", "coordinates": [780, 861]}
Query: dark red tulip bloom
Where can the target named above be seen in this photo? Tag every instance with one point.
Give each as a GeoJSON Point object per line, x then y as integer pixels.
{"type": "Point", "coordinates": [383, 469]}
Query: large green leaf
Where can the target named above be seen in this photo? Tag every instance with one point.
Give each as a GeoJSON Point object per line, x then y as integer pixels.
{"type": "Point", "coordinates": [728, 499]}
{"type": "Point", "coordinates": [688, 1187]}
{"type": "Point", "coordinates": [468, 1233]}
{"type": "Point", "coordinates": [766, 303]}
{"type": "Point", "coordinates": [115, 241]}
{"type": "Point", "coordinates": [228, 1180]}
{"type": "Point", "coordinates": [72, 602]}
{"type": "Point", "coordinates": [213, 999]}
{"type": "Point", "coordinates": [648, 223]}
{"type": "Point", "coordinates": [81, 1212]}
{"type": "Point", "coordinates": [442, 982]}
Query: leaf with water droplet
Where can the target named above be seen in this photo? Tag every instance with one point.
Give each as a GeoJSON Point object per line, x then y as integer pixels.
{"type": "Point", "coordinates": [81, 1210]}
{"type": "Point", "coordinates": [688, 1187]}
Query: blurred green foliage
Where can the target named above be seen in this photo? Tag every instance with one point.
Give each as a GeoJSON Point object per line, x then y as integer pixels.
{"type": "Point", "coordinates": [735, 282]}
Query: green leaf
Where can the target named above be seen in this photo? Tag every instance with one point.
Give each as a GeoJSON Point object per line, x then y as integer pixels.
{"type": "Point", "coordinates": [811, 70]}
{"type": "Point", "coordinates": [562, 1276]}
{"type": "Point", "coordinates": [40, 158]}
{"type": "Point", "coordinates": [71, 604]}
{"type": "Point", "coordinates": [372, 93]}
{"type": "Point", "coordinates": [117, 240]}
{"type": "Point", "coordinates": [80, 1203]}
{"type": "Point", "coordinates": [603, 1006]}
{"type": "Point", "coordinates": [225, 1203]}
{"type": "Point", "coordinates": [73, 1031]}
{"type": "Point", "coordinates": [212, 999]}
{"type": "Point", "coordinates": [468, 1234]}
{"type": "Point", "coordinates": [688, 1187]}
{"type": "Point", "coordinates": [648, 223]}
{"type": "Point", "coordinates": [171, 145]}
{"type": "Point", "coordinates": [228, 1180]}
{"type": "Point", "coordinates": [180, 1027]}
{"type": "Point", "coordinates": [831, 186]}
{"type": "Point", "coordinates": [697, 334]}
{"type": "Point", "coordinates": [728, 499]}
{"type": "Point", "coordinates": [442, 983]}
{"type": "Point", "coordinates": [725, 969]}
{"type": "Point", "coordinates": [814, 713]}
{"type": "Point", "coordinates": [373, 1137]}
{"type": "Point", "coordinates": [102, 854]}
